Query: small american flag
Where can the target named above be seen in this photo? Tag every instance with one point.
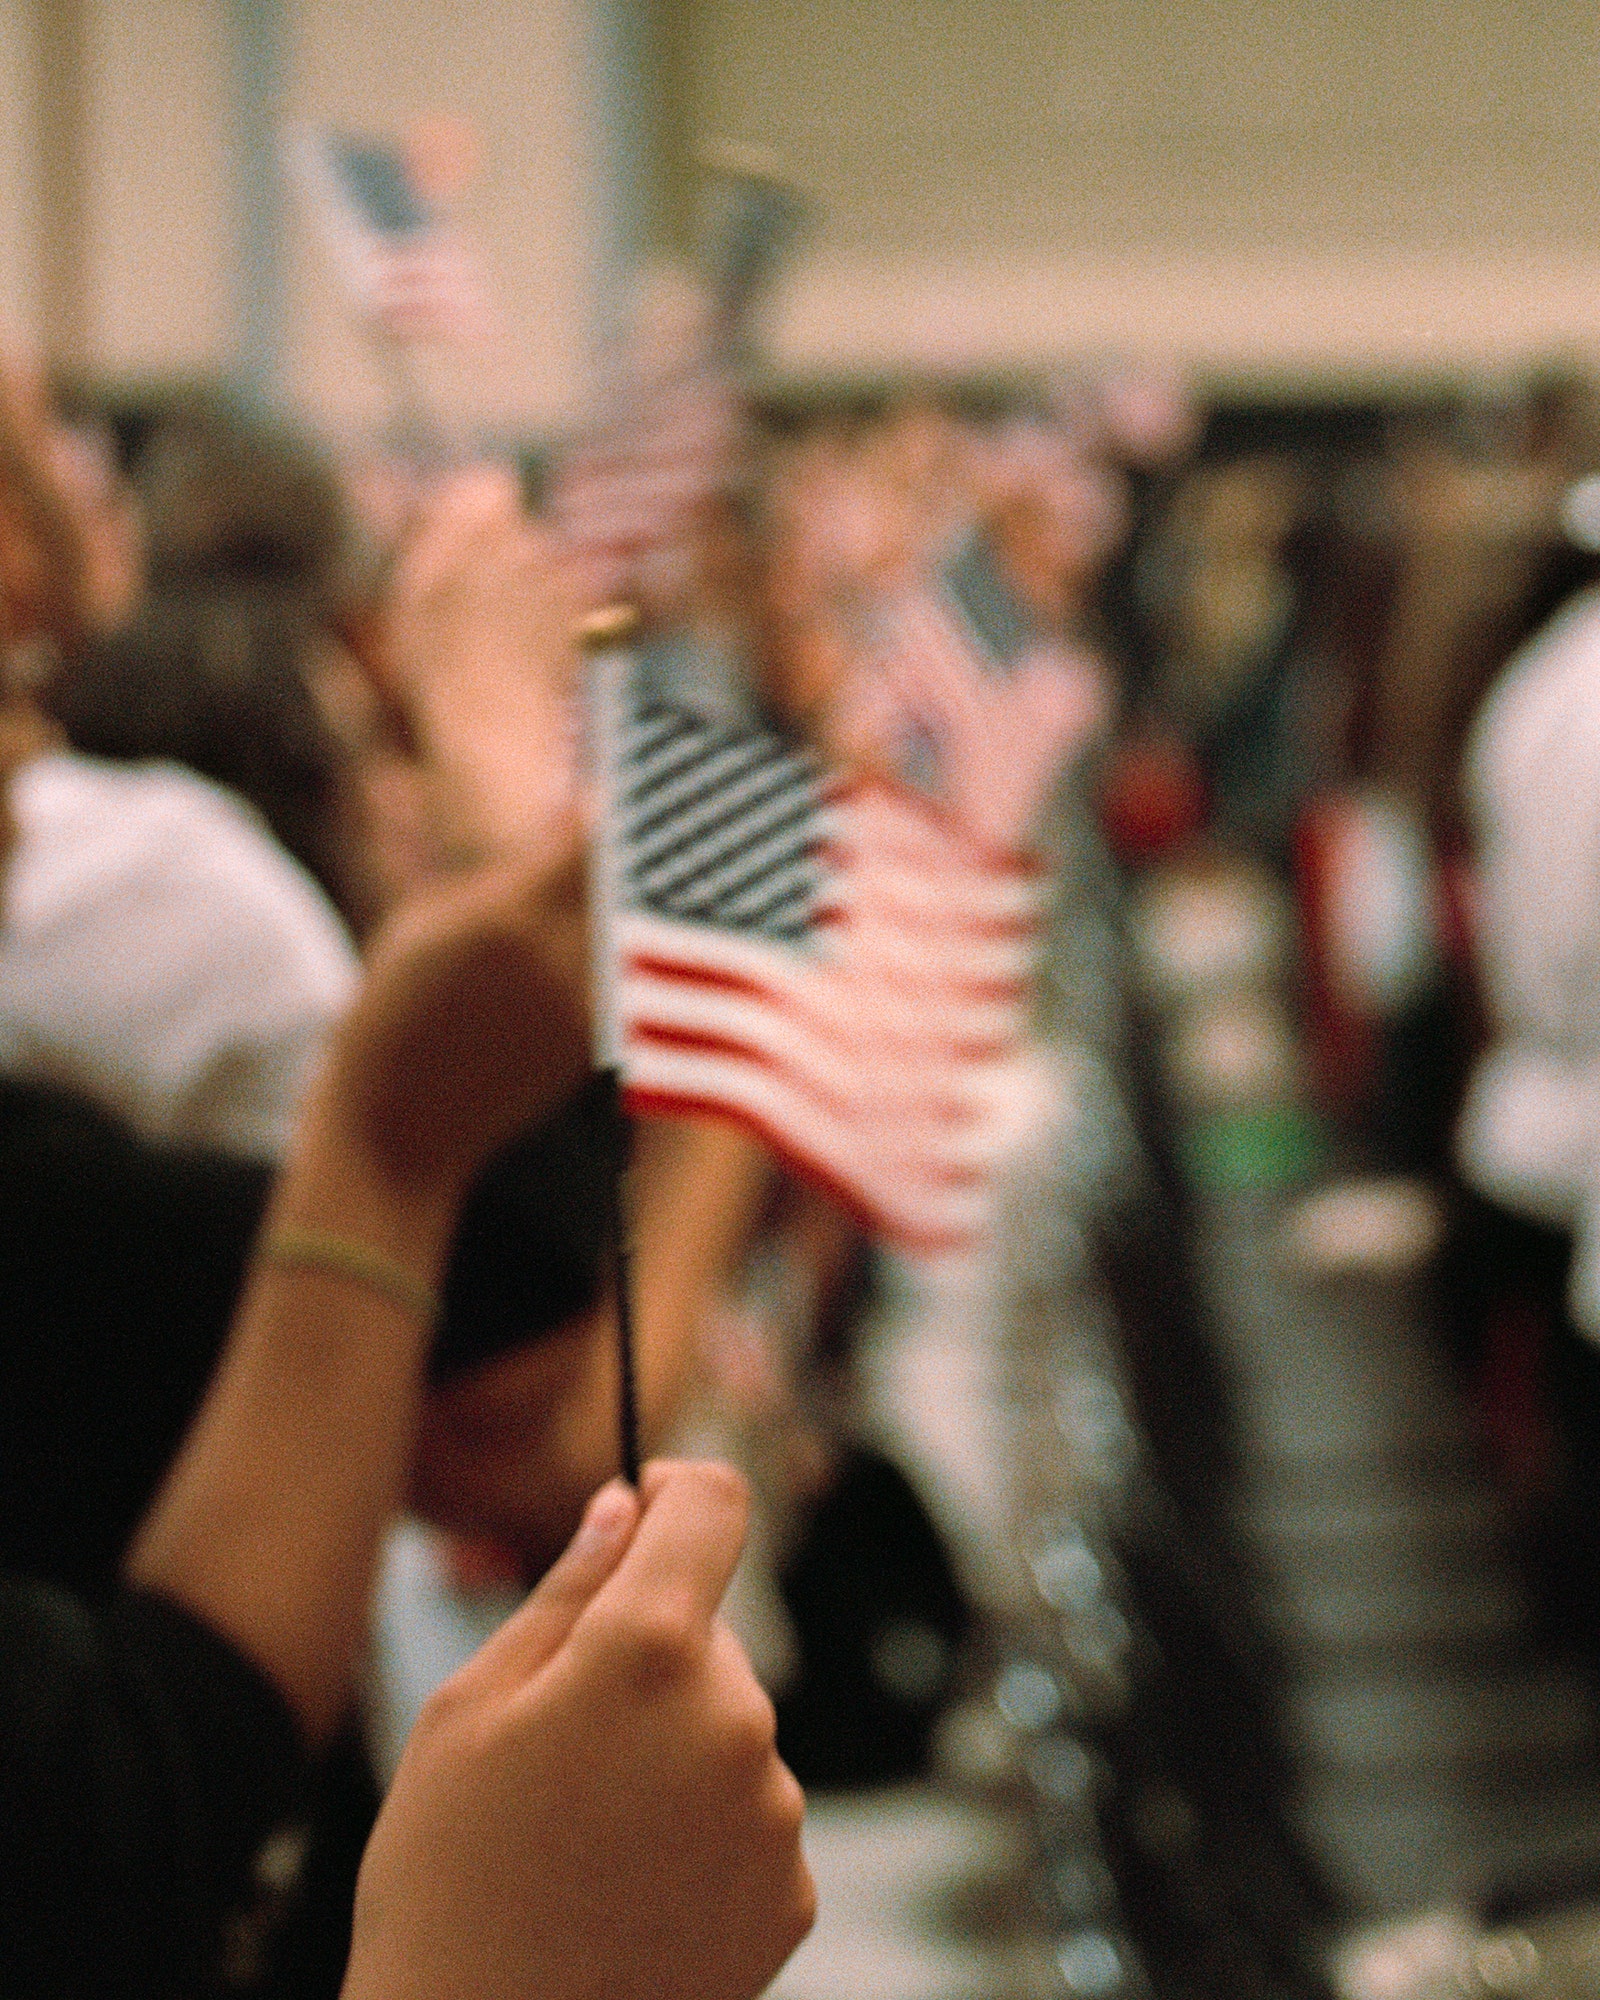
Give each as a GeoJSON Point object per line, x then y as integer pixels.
{"type": "Point", "coordinates": [633, 486]}
{"type": "Point", "coordinates": [964, 696]}
{"type": "Point", "coordinates": [637, 482]}
{"type": "Point", "coordinates": [408, 270]}
{"type": "Point", "coordinates": [831, 963]}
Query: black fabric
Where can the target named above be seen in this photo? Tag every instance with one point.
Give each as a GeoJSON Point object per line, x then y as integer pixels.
{"type": "Point", "coordinates": [1536, 1378]}
{"type": "Point", "coordinates": [530, 1248]}
{"type": "Point", "coordinates": [879, 1619]}
{"type": "Point", "coordinates": [303, 1941]}
{"type": "Point", "coordinates": [119, 1267]}
{"type": "Point", "coordinates": [143, 1767]}
{"type": "Point", "coordinates": [120, 1264]}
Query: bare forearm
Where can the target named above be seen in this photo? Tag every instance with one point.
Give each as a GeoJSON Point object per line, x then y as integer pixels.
{"type": "Point", "coordinates": [469, 1026]}
{"type": "Point", "coordinates": [269, 1523]}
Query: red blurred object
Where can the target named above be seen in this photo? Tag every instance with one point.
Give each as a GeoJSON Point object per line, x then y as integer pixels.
{"type": "Point", "coordinates": [1458, 917]}
{"type": "Point", "coordinates": [1519, 1433]}
{"type": "Point", "coordinates": [1341, 1036]}
{"type": "Point", "coordinates": [1152, 798]}
{"type": "Point", "coordinates": [475, 1565]}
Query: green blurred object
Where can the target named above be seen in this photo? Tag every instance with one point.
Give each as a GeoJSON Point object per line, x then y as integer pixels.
{"type": "Point", "coordinates": [1267, 1146]}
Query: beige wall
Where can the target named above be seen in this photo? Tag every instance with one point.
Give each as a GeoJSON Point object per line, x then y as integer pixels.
{"type": "Point", "coordinates": [1288, 189]}
{"type": "Point", "coordinates": [1253, 185]}
{"type": "Point", "coordinates": [519, 72]}
{"type": "Point", "coordinates": [158, 276]}
{"type": "Point", "coordinates": [152, 292]}
{"type": "Point", "coordinates": [158, 255]}
{"type": "Point", "coordinates": [18, 220]}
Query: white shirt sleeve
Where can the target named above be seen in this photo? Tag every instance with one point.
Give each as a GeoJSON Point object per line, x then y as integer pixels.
{"type": "Point", "coordinates": [1529, 1134]}
{"type": "Point", "coordinates": [162, 954]}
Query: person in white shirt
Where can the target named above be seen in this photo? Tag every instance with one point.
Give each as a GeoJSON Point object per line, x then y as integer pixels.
{"type": "Point", "coordinates": [1529, 1134]}
{"type": "Point", "coordinates": [163, 955]}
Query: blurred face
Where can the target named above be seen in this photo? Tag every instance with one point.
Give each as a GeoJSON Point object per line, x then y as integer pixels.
{"type": "Point", "coordinates": [510, 1450]}
{"type": "Point", "coordinates": [1056, 532]}
{"type": "Point", "coordinates": [71, 547]}
{"type": "Point", "coordinates": [22, 572]}
{"type": "Point", "coordinates": [109, 529]}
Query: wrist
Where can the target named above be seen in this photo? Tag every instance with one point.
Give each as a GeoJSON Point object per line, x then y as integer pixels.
{"type": "Point", "coordinates": [333, 1186]}
{"type": "Point", "coordinates": [348, 1257]}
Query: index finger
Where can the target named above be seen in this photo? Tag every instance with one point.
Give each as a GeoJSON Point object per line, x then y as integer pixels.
{"type": "Point", "coordinates": [683, 1553]}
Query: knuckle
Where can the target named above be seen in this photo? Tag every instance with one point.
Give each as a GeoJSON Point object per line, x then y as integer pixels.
{"type": "Point", "coordinates": [750, 1730]}
{"type": "Point", "coordinates": [717, 1484]}
{"type": "Point", "coordinates": [444, 1708]}
{"type": "Point", "coordinates": [661, 1643]}
{"type": "Point", "coordinates": [788, 1806]}
{"type": "Point", "coordinates": [724, 1483]}
{"type": "Point", "coordinates": [459, 1723]}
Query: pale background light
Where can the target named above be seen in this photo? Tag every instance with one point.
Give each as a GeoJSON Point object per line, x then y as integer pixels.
{"type": "Point", "coordinates": [1275, 194]}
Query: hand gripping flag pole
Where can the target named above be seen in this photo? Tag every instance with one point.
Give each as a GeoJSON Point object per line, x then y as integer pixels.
{"type": "Point", "coordinates": [605, 635]}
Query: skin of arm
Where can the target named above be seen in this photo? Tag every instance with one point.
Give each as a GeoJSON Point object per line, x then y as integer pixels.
{"type": "Point", "coordinates": [70, 556]}
{"type": "Point", "coordinates": [512, 1449]}
{"type": "Point", "coordinates": [469, 1025]}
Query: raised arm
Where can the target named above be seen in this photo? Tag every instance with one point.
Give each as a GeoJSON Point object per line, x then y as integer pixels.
{"type": "Point", "coordinates": [70, 559]}
{"type": "Point", "coordinates": [469, 1025]}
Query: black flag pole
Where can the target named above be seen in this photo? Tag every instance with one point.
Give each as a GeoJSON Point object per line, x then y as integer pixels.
{"type": "Point", "coordinates": [619, 1235]}
{"type": "Point", "coordinates": [755, 217]}
{"type": "Point", "coordinates": [605, 636]}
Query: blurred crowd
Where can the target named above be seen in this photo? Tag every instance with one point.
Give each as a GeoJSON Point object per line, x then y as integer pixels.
{"type": "Point", "coordinates": [306, 1175]}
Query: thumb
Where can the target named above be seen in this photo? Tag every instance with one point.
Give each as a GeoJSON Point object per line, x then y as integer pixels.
{"type": "Point", "coordinates": [537, 1631]}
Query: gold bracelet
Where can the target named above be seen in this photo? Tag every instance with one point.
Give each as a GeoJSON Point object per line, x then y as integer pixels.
{"type": "Point", "coordinates": [324, 1252]}
{"type": "Point", "coordinates": [610, 625]}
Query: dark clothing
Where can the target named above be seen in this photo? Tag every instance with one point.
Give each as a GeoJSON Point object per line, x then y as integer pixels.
{"type": "Point", "coordinates": [150, 1780]}
{"type": "Point", "coordinates": [120, 1264]}
{"type": "Point", "coordinates": [119, 1267]}
{"type": "Point", "coordinates": [1535, 1378]}
{"type": "Point", "coordinates": [531, 1245]}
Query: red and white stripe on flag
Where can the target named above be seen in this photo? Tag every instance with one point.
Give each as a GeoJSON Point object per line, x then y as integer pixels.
{"type": "Point", "coordinates": [407, 268]}
{"type": "Point", "coordinates": [429, 291]}
{"type": "Point", "coordinates": [870, 1059]}
{"type": "Point", "coordinates": [423, 286]}
{"type": "Point", "coordinates": [633, 486]}
{"type": "Point", "coordinates": [1000, 734]}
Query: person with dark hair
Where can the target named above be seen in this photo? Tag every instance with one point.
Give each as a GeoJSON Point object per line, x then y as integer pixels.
{"type": "Point", "coordinates": [127, 1247]}
{"type": "Point", "coordinates": [230, 497]}
{"type": "Point", "coordinates": [234, 799]}
{"type": "Point", "coordinates": [161, 954]}
{"type": "Point", "coordinates": [216, 679]}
